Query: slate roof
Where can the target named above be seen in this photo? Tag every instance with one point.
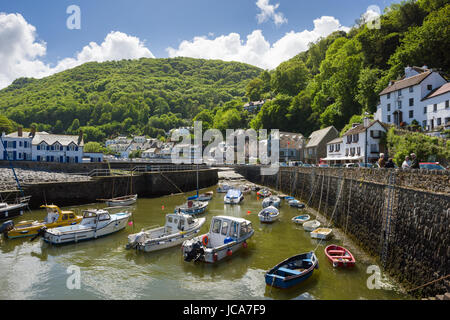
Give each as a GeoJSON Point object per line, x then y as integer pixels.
{"type": "Point", "coordinates": [48, 138]}
{"type": "Point", "coordinates": [405, 83]}
{"type": "Point", "coordinates": [361, 128]}
{"type": "Point", "coordinates": [438, 91]}
{"type": "Point", "coordinates": [316, 137]}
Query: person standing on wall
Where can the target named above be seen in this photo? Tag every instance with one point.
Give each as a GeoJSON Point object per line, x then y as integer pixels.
{"type": "Point", "coordinates": [381, 161]}
{"type": "Point", "coordinates": [407, 163]}
{"type": "Point", "coordinates": [414, 161]}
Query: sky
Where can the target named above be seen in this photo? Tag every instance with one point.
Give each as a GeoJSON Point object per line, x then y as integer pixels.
{"type": "Point", "coordinates": [39, 38]}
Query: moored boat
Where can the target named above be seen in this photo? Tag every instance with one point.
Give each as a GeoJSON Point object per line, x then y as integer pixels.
{"type": "Point", "coordinates": [96, 223]}
{"type": "Point", "coordinates": [321, 233]}
{"type": "Point", "coordinates": [297, 204]}
{"type": "Point", "coordinates": [55, 218]}
{"type": "Point", "coordinates": [311, 225]}
{"type": "Point", "coordinates": [233, 196]}
{"type": "Point", "coordinates": [207, 196]}
{"type": "Point", "coordinates": [223, 188]}
{"type": "Point", "coordinates": [192, 207]}
{"type": "Point", "coordinates": [178, 228]}
{"type": "Point", "coordinates": [269, 214]}
{"type": "Point", "coordinates": [226, 235]}
{"type": "Point", "coordinates": [121, 201]}
{"type": "Point", "coordinates": [245, 189]}
{"type": "Point", "coordinates": [11, 210]}
{"type": "Point", "coordinates": [263, 193]}
{"type": "Point", "coordinates": [339, 256]}
{"type": "Point", "coordinates": [271, 201]}
{"type": "Point", "coordinates": [301, 219]}
{"type": "Point", "coordinates": [292, 271]}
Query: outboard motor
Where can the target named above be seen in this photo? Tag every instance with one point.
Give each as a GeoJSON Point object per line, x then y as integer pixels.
{"type": "Point", "coordinates": [40, 233]}
{"type": "Point", "coordinates": [6, 227]}
{"type": "Point", "coordinates": [195, 253]}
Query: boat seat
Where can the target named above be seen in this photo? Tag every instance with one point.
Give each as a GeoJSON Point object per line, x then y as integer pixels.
{"type": "Point", "coordinates": [307, 260]}
{"type": "Point", "coordinates": [289, 271]}
{"type": "Point", "coordinates": [340, 252]}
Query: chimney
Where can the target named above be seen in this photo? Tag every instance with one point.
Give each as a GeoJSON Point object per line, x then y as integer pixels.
{"type": "Point", "coordinates": [80, 136]}
{"type": "Point", "coordinates": [19, 131]}
{"type": "Point", "coordinates": [366, 122]}
{"type": "Point", "coordinates": [33, 131]}
{"type": "Point", "coordinates": [355, 124]}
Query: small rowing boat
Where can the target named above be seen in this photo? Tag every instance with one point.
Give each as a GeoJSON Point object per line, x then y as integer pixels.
{"type": "Point", "coordinates": [292, 271]}
{"type": "Point", "coordinates": [207, 196]}
{"type": "Point", "coordinates": [297, 204]}
{"type": "Point", "coordinates": [301, 219]}
{"type": "Point", "coordinates": [271, 201]}
{"type": "Point", "coordinates": [121, 201]}
{"type": "Point", "coordinates": [311, 225]}
{"type": "Point", "coordinates": [339, 256]}
{"type": "Point", "coordinates": [263, 193]}
{"type": "Point", "coordinates": [269, 214]}
{"type": "Point", "coordinates": [192, 207]}
{"type": "Point", "coordinates": [321, 233]}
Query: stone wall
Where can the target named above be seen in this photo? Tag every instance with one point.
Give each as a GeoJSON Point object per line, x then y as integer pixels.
{"type": "Point", "coordinates": [400, 217]}
{"type": "Point", "coordinates": [151, 184]}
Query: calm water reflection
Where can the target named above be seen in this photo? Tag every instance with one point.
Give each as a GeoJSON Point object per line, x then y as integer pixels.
{"type": "Point", "coordinates": [36, 270]}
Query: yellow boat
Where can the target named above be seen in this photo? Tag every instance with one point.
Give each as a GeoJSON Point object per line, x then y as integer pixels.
{"type": "Point", "coordinates": [55, 218]}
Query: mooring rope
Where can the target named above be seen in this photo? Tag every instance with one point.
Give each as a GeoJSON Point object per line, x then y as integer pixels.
{"type": "Point", "coordinates": [428, 283]}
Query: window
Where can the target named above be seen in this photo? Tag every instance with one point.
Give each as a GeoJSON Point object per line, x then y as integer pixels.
{"type": "Point", "coordinates": [411, 113]}
{"type": "Point", "coordinates": [338, 147]}
{"type": "Point", "coordinates": [389, 118]}
{"type": "Point", "coordinates": [438, 121]}
{"type": "Point", "coordinates": [349, 138]}
{"type": "Point", "coordinates": [400, 92]}
{"type": "Point", "coordinates": [388, 107]}
{"type": "Point", "coordinates": [20, 143]}
{"type": "Point", "coordinates": [234, 229]}
{"type": "Point", "coordinates": [424, 123]}
{"type": "Point", "coordinates": [399, 104]}
{"type": "Point", "coordinates": [446, 104]}
{"type": "Point", "coordinates": [389, 95]}
{"type": "Point", "coordinates": [429, 87]}
{"type": "Point", "coordinates": [358, 151]}
{"type": "Point", "coordinates": [331, 148]}
{"type": "Point", "coordinates": [435, 107]}
{"type": "Point", "coordinates": [411, 89]}
{"type": "Point", "coordinates": [346, 151]}
{"type": "Point", "coordinates": [216, 226]}
{"type": "Point", "coordinates": [169, 219]}
{"type": "Point", "coordinates": [224, 228]}
{"type": "Point", "coordinates": [374, 148]}
{"type": "Point", "coordinates": [424, 109]}
{"type": "Point", "coordinates": [65, 217]}
{"type": "Point", "coordinates": [356, 137]}
{"type": "Point", "coordinates": [352, 151]}
{"type": "Point", "coordinates": [411, 102]}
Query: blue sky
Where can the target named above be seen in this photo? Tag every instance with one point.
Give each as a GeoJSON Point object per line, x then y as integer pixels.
{"type": "Point", "coordinates": [158, 25]}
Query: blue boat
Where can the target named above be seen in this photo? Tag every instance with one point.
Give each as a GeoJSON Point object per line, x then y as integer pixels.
{"type": "Point", "coordinates": [292, 271]}
{"type": "Point", "coordinates": [296, 203]}
{"type": "Point", "coordinates": [192, 207]}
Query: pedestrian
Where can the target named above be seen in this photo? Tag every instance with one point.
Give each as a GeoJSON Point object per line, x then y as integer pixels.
{"type": "Point", "coordinates": [390, 163]}
{"type": "Point", "coordinates": [407, 163]}
{"type": "Point", "coordinates": [414, 161]}
{"type": "Point", "coordinates": [381, 161]}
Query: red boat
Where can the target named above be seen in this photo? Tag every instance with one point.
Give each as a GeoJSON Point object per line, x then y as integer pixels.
{"type": "Point", "coordinates": [339, 256]}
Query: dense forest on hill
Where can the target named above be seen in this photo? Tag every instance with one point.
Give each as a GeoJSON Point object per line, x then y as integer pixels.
{"type": "Point", "coordinates": [340, 76]}
{"type": "Point", "coordinates": [145, 96]}
{"type": "Point", "coordinates": [333, 83]}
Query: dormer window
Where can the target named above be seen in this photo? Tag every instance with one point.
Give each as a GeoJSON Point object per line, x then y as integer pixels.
{"type": "Point", "coordinates": [57, 147]}
{"type": "Point", "coordinates": [389, 95]}
{"type": "Point", "coordinates": [430, 87]}
{"type": "Point", "coordinates": [42, 146]}
{"type": "Point", "coordinates": [411, 89]}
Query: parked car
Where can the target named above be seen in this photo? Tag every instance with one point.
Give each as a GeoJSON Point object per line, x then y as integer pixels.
{"type": "Point", "coordinates": [307, 165]}
{"type": "Point", "coordinates": [431, 166]}
{"type": "Point", "coordinates": [365, 165]}
{"type": "Point", "coordinates": [324, 165]}
{"type": "Point", "coordinates": [351, 165]}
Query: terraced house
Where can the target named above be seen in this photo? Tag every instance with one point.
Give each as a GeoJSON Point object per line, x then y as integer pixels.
{"type": "Point", "coordinates": [42, 146]}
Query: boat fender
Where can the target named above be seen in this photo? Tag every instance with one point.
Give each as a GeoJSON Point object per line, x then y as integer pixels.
{"type": "Point", "coordinates": [205, 240]}
{"type": "Point", "coordinates": [215, 256]}
{"type": "Point", "coordinates": [244, 245]}
{"type": "Point", "coordinates": [228, 240]}
{"type": "Point", "coordinates": [229, 252]}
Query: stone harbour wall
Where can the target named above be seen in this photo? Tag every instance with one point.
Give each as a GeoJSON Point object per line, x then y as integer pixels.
{"type": "Point", "coordinates": [401, 217]}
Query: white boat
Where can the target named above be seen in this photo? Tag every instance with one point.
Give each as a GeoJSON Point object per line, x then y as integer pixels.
{"type": "Point", "coordinates": [96, 223]}
{"type": "Point", "coordinates": [192, 207]}
{"type": "Point", "coordinates": [223, 188]}
{"type": "Point", "coordinates": [178, 228]}
{"type": "Point", "coordinates": [321, 233]}
{"type": "Point", "coordinates": [226, 236]}
{"type": "Point", "coordinates": [297, 204]}
{"type": "Point", "coordinates": [271, 201]}
{"type": "Point", "coordinates": [245, 189]}
{"type": "Point", "coordinates": [269, 214]}
{"type": "Point", "coordinates": [301, 219]}
{"type": "Point", "coordinates": [233, 196]}
{"type": "Point", "coordinates": [311, 225]}
{"type": "Point", "coordinates": [11, 210]}
{"type": "Point", "coordinates": [122, 201]}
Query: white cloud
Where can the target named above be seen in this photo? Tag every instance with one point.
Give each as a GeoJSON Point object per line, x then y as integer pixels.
{"type": "Point", "coordinates": [256, 50]}
{"type": "Point", "coordinates": [20, 51]}
{"type": "Point", "coordinates": [268, 12]}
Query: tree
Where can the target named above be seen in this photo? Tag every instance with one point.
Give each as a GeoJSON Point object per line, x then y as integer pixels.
{"type": "Point", "coordinates": [93, 147]}
{"type": "Point", "coordinates": [290, 77]}
{"type": "Point", "coordinates": [5, 125]}
{"type": "Point", "coordinates": [367, 94]}
{"type": "Point", "coordinates": [254, 89]}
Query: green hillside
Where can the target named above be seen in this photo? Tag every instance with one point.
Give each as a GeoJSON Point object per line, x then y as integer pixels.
{"type": "Point", "coordinates": [145, 96]}
{"type": "Point", "coordinates": [341, 76]}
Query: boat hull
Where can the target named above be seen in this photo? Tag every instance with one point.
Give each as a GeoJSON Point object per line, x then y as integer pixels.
{"type": "Point", "coordinates": [321, 233]}
{"type": "Point", "coordinates": [284, 278]}
{"type": "Point", "coordinates": [301, 219]}
{"type": "Point", "coordinates": [233, 201]}
{"type": "Point", "coordinates": [340, 256]}
{"type": "Point", "coordinates": [119, 203]}
{"type": "Point", "coordinates": [12, 211]}
{"type": "Point", "coordinates": [76, 234]}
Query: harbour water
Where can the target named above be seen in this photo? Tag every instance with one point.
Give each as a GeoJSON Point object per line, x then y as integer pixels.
{"type": "Point", "coordinates": [37, 270]}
